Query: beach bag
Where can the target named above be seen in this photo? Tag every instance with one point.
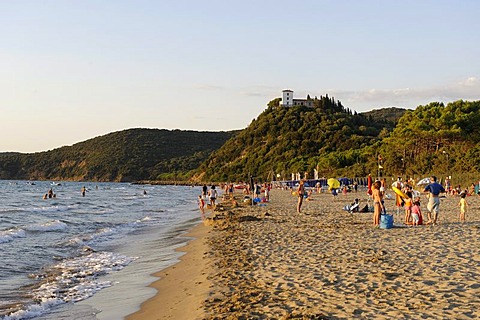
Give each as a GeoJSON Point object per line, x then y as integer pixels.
{"type": "Point", "coordinates": [386, 221]}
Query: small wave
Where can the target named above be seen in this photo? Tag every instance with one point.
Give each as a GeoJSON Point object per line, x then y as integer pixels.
{"type": "Point", "coordinates": [54, 207]}
{"type": "Point", "coordinates": [103, 211]}
{"type": "Point", "coordinates": [55, 225]}
{"type": "Point", "coordinates": [34, 310]}
{"type": "Point", "coordinates": [45, 209]}
{"type": "Point", "coordinates": [11, 234]}
{"type": "Point", "coordinates": [101, 233]}
{"type": "Point", "coordinates": [71, 280]}
{"type": "Point", "coordinates": [11, 210]}
{"type": "Point", "coordinates": [104, 232]}
{"type": "Point", "coordinates": [99, 211]}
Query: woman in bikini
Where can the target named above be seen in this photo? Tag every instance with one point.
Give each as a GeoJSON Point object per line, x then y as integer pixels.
{"type": "Point", "coordinates": [377, 203]}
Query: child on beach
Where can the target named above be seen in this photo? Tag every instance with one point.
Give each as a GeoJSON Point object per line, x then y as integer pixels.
{"type": "Point", "coordinates": [463, 206]}
{"type": "Point", "coordinates": [416, 212]}
{"type": "Point", "coordinates": [201, 205]}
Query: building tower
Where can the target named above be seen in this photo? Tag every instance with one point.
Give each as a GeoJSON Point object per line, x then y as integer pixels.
{"type": "Point", "coordinates": [287, 98]}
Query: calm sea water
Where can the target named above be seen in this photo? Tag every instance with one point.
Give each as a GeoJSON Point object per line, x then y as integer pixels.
{"type": "Point", "coordinates": [74, 257]}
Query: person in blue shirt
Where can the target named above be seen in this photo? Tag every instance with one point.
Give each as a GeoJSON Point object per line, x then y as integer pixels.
{"type": "Point", "coordinates": [433, 189]}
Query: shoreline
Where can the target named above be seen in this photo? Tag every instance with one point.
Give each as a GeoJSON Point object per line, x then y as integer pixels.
{"type": "Point", "coordinates": [182, 287]}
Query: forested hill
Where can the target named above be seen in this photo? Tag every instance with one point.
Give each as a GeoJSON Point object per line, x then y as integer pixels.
{"type": "Point", "coordinates": [283, 140]}
{"type": "Point", "coordinates": [129, 155]}
{"type": "Point", "coordinates": [387, 116]}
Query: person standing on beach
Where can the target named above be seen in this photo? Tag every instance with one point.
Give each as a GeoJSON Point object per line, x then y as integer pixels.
{"type": "Point", "coordinates": [448, 187]}
{"type": "Point", "coordinates": [225, 191]}
{"type": "Point", "coordinates": [433, 189]}
{"type": "Point", "coordinates": [204, 191]}
{"type": "Point", "coordinates": [213, 194]}
{"type": "Point", "coordinates": [398, 200]}
{"type": "Point", "coordinates": [300, 194]}
{"type": "Point", "coordinates": [267, 191]}
{"type": "Point", "coordinates": [377, 203]}
{"type": "Point", "coordinates": [201, 205]}
{"type": "Point", "coordinates": [463, 206]}
{"type": "Point", "coordinates": [257, 190]}
{"type": "Point", "coordinates": [408, 207]}
{"type": "Point", "coordinates": [383, 186]}
{"type": "Point", "coordinates": [416, 212]}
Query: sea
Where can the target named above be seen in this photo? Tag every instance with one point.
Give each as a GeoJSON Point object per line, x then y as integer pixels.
{"type": "Point", "coordinates": [92, 256]}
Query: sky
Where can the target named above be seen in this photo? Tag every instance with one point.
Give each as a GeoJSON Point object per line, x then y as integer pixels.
{"type": "Point", "coordinates": [74, 70]}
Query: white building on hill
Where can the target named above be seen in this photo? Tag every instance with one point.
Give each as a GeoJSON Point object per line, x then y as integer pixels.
{"type": "Point", "coordinates": [288, 101]}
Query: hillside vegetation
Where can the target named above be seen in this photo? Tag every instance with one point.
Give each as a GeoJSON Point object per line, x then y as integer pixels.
{"type": "Point", "coordinates": [335, 141]}
{"type": "Point", "coordinates": [129, 155]}
{"type": "Point", "coordinates": [285, 140]}
{"type": "Point", "coordinates": [438, 138]}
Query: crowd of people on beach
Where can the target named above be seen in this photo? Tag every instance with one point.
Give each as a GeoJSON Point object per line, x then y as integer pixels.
{"type": "Point", "coordinates": [407, 198]}
{"type": "Point", "coordinates": [252, 193]}
{"type": "Point", "coordinates": [434, 191]}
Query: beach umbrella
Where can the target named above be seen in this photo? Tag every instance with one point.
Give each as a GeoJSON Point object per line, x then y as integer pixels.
{"type": "Point", "coordinates": [423, 181]}
{"type": "Point", "coordinates": [333, 183]}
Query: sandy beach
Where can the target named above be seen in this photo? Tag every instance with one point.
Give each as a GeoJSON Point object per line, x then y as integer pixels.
{"type": "Point", "coordinates": [269, 262]}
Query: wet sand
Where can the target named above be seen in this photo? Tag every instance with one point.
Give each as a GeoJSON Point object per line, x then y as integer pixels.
{"type": "Point", "coordinates": [269, 262]}
{"type": "Point", "coordinates": [183, 287]}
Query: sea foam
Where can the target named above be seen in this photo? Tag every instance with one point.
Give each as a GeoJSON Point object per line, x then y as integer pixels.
{"type": "Point", "coordinates": [55, 225]}
{"type": "Point", "coordinates": [71, 280]}
{"type": "Point", "coordinates": [11, 234]}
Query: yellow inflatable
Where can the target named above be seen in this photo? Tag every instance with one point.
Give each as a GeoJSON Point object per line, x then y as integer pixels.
{"type": "Point", "coordinates": [400, 193]}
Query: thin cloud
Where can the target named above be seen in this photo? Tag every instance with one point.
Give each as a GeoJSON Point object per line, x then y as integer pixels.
{"type": "Point", "coordinates": [209, 87]}
{"type": "Point", "coordinates": [468, 89]}
{"type": "Point", "coordinates": [260, 91]}
{"type": "Point", "coordinates": [470, 82]}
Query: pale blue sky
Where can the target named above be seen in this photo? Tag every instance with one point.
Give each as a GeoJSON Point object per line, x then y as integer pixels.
{"type": "Point", "coordinates": [74, 70]}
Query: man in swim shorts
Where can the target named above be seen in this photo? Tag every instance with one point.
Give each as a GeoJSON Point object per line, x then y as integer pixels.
{"type": "Point", "coordinates": [433, 189]}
